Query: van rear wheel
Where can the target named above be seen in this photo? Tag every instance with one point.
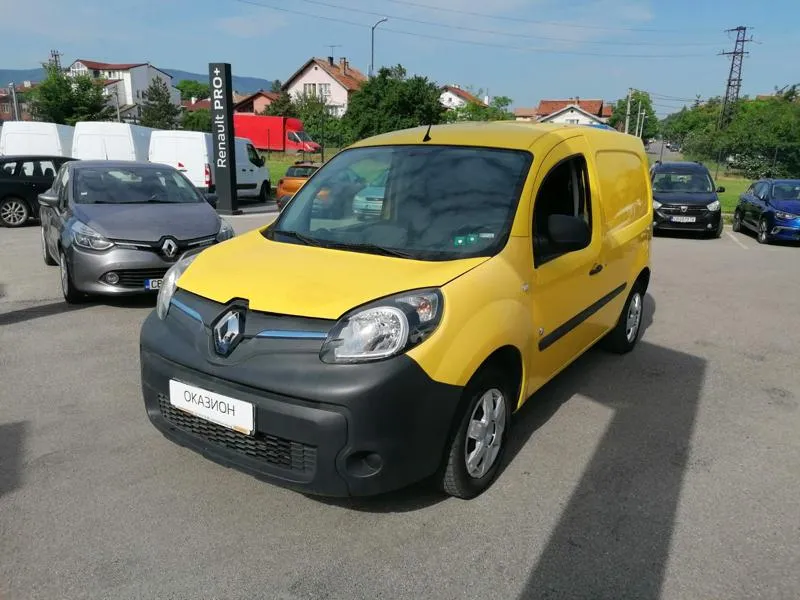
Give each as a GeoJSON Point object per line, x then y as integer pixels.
{"type": "Point", "coordinates": [264, 193]}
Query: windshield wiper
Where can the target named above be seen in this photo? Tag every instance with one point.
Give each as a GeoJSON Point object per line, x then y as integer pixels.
{"type": "Point", "coordinates": [307, 240]}
{"type": "Point", "coordinates": [373, 249]}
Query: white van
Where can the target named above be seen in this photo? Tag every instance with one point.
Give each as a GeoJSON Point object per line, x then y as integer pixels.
{"type": "Point", "coordinates": [191, 152]}
{"type": "Point", "coordinates": [32, 138]}
{"type": "Point", "coordinates": [101, 140]}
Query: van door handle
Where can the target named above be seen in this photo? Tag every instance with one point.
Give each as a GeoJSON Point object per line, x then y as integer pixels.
{"type": "Point", "coordinates": [596, 269]}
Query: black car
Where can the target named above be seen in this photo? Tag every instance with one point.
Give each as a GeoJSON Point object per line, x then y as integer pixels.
{"type": "Point", "coordinates": [22, 179]}
{"type": "Point", "coordinates": [771, 208]}
{"type": "Point", "coordinates": [685, 198]}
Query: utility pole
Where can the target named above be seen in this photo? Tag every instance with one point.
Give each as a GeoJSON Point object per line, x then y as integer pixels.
{"type": "Point", "coordinates": [628, 111]}
{"type": "Point", "coordinates": [116, 95]}
{"type": "Point", "coordinates": [372, 46]}
{"type": "Point", "coordinates": [55, 59]}
{"type": "Point", "coordinates": [638, 117]}
{"type": "Point", "coordinates": [14, 104]}
{"type": "Point", "coordinates": [734, 76]}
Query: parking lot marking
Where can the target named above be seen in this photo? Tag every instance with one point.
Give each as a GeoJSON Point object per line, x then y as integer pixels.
{"type": "Point", "coordinates": [733, 237]}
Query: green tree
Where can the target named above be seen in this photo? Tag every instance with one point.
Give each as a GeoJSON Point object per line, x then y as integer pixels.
{"type": "Point", "coordinates": [197, 120]}
{"type": "Point", "coordinates": [158, 110]}
{"type": "Point", "coordinates": [282, 107]}
{"type": "Point", "coordinates": [639, 100]}
{"type": "Point", "coordinates": [193, 89]}
{"type": "Point", "coordinates": [497, 110]}
{"type": "Point", "coordinates": [276, 86]}
{"type": "Point", "coordinates": [66, 100]}
{"type": "Point", "coordinates": [391, 100]}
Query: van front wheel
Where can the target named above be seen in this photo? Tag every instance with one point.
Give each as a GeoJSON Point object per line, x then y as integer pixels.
{"type": "Point", "coordinates": [264, 193]}
{"type": "Point", "coordinates": [478, 443]}
{"type": "Point", "coordinates": [625, 334]}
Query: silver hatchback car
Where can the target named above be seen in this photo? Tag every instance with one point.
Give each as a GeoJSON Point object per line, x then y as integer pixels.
{"type": "Point", "coordinates": [114, 228]}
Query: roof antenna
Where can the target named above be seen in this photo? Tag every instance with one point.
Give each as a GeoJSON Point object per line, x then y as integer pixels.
{"type": "Point", "coordinates": [427, 137]}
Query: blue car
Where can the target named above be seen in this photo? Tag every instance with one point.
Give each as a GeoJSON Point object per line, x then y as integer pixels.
{"type": "Point", "coordinates": [771, 208]}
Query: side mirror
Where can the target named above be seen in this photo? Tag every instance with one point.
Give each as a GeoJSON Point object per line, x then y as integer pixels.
{"type": "Point", "coordinates": [720, 189]}
{"type": "Point", "coordinates": [568, 233]}
{"type": "Point", "coordinates": [48, 199]}
{"type": "Point", "coordinates": [211, 198]}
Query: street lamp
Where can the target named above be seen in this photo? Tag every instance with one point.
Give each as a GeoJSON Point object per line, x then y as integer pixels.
{"type": "Point", "coordinates": [372, 46]}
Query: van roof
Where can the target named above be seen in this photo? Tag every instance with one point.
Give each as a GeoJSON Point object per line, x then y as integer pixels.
{"type": "Point", "coordinates": [7, 157]}
{"type": "Point", "coordinates": [515, 135]}
{"type": "Point", "coordinates": [111, 164]}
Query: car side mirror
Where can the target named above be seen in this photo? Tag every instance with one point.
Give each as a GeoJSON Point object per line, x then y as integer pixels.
{"type": "Point", "coordinates": [48, 199]}
{"type": "Point", "coordinates": [720, 189]}
{"type": "Point", "coordinates": [568, 233]}
{"type": "Point", "coordinates": [211, 199]}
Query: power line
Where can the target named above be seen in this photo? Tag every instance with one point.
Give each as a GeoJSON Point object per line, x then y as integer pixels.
{"type": "Point", "coordinates": [734, 85]}
{"type": "Point", "coordinates": [467, 42]}
{"type": "Point", "coordinates": [539, 22]}
{"type": "Point", "coordinates": [494, 31]}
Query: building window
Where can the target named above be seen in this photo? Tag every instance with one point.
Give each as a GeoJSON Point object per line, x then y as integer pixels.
{"type": "Point", "coordinates": [572, 121]}
{"type": "Point", "coordinates": [324, 90]}
{"type": "Point", "coordinates": [309, 89]}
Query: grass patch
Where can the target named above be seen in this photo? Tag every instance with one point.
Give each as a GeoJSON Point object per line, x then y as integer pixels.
{"type": "Point", "coordinates": [734, 187]}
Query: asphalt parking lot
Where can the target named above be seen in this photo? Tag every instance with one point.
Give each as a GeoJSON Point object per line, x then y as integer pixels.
{"type": "Point", "coordinates": [672, 472]}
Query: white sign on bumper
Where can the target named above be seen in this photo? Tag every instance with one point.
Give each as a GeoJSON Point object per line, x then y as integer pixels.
{"type": "Point", "coordinates": [222, 410]}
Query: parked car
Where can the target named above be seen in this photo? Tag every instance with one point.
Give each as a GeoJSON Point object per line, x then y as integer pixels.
{"type": "Point", "coordinates": [34, 138]}
{"type": "Point", "coordinates": [341, 357]}
{"type": "Point", "coordinates": [685, 198]}
{"type": "Point", "coordinates": [106, 140]}
{"type": "Point", "coordinates": [771, 208]}
{"type": "Point", "coordinates": [191, 153]}
{"type": "Point", "coordinates": [369, 201]}
{"type": "Point", "coordinates": [114, 227]}
{"type": "Point", "coordinates": [22, 179]}
{"type": "Point", "coordinates": [295, 177]}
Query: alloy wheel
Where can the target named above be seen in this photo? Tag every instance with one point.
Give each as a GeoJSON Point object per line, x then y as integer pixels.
{"type": "Point", "coordinates": [62, 263]}
{"type": "Point", "coordinates": [634, 318]}
{"type": "Point", "coordinates": [485, 433]}
{"type": "Point", "coordinates": [13, 212]}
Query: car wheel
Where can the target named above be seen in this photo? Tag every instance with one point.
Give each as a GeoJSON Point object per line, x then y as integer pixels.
{"type": "Point", "coordinates": [48, 259]}
{"type": "Point", "coordinates": [71, 293]}
{"type": "Point", "coordinates": [720, 228]}
{"type": "Point", "coordinates": [14, 212]}
{"type": "Point", "coordinates": [737, 221]}
{"type": "Point", "coordinates": [478, 443]}
{"type": "Point", "coordinates": [763, 234]}
{"type": "Point", "coordinates": [263, 195]}
{"type": "Point", "coordinates": [625, 334]}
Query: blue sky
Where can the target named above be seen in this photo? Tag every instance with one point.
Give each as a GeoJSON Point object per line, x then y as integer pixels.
{"type": "Point", "coordinates": [525, 49]}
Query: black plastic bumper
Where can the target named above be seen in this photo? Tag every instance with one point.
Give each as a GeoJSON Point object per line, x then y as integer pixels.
{"type": "Point", "coordinates": [708, 221]}
{"type": "Point", "coordinates": [333, 430]}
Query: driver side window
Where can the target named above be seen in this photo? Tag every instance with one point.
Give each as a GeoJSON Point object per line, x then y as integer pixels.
{"type": "Point", "coordinates": [564, 191]}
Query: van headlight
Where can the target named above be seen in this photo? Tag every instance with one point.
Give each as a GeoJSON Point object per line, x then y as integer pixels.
{"type": "Point", "coordinates": [170, 283]}
{"type": "Point", "coordinates": [384, 328]}
{"type": "Point", "coordinates": [226, 231]}
{"type": "Point", "coordinates": [714, 206]}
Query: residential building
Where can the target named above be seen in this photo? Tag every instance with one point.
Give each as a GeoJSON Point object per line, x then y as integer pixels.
{"type": "Point", "coordinates": [333, 82]}
{"type": "Point", "coordinates": [454, 96]}
{"type": "Point", "coordinates": [7, 102]}
{"type": "Point", "coordinates": [255, 103]}
{"type": "Point", "coordinates": [125, 83]}
{"type": "Point", "coordinates": [573, 111]}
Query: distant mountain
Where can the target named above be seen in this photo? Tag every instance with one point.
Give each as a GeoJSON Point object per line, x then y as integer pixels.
{"type": "Point", "coordinates": [241, 84]}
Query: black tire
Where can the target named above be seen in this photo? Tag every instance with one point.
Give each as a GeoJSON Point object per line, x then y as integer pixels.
{"type": "Point", "coordinates": [718, 232]}
{"type": "Point", "coordinates": [264, 193]}
{"type": "Point", "coordinates": [762, 235]}
{"type": "Point", "coordinates": [455, 478]}
{"type": "Point", "coordinates": [283, 201]}
{"type": "Point", "coordinates": [48, 258]}
{"type": "Point", "coordinates": [14, 212]}
{"type": "Point", "coordinates": [71, 294]}
{"type": "Point", "coordinates": [620, 340]}
{"type": "Point", "coordinates": [737, 222]}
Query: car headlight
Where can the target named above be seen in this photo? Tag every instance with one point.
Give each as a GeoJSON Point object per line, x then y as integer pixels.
{"type": "Point", "coordinates": [786, 216]}
{"type": "Point", "coordinates": [226, 231]}
{"type": "Point", "coordinates": [715, 205]}
{"type": "Point", "coordinates": [86, 237]}
{"type": "Point", "coordinates": [384, 328]}
{"type": "Point", "coordinates": [656, 204]}
{"type": "Point", "coordinates": [170, 283]}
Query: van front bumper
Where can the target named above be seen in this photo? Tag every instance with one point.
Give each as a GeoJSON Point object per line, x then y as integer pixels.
{"type": "Point", "coordinates": [668, 218]}
{"type": "Point", "coordinates": [331, 430]}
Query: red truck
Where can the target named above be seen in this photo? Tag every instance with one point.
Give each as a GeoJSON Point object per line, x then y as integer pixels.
{"type": "Point", "coordinates": [279, 134]}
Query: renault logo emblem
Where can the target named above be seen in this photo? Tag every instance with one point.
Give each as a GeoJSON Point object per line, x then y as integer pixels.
{"type": "Point", "coordinates": [228, 332]}
{"type": "Point", "coordinates": [169, 248]}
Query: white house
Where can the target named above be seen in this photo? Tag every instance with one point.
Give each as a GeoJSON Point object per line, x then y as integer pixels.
{"type": "Point", "coordinates": [453, 96]}
{"type": "Point", "coordinates": [328, 80]}
{"type": "Point", "coordinates": [125, 84]}
{"type": "Point", "coordinates": [572, 111]}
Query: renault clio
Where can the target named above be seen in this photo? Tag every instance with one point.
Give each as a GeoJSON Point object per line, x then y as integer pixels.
{"type": "Point", "coordinates": [345, 357]}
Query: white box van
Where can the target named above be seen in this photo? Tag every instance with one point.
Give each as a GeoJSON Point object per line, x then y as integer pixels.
{"type": "Point", "coordinates": [35, 139]}
{"type": "Point", "coordinates": [191, 152]}
{"type": "Point", "coordinates": [100, 140]}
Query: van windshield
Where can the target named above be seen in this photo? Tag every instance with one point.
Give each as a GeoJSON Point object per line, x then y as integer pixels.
{"type": "Point", "coordinates": [132, 185]}
{"type": "Point", "coordinates": [418, 202]}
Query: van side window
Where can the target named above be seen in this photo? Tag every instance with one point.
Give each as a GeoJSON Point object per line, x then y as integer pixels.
{"type": "Point", "coordinates": [564, 191]}
{"type": "Point", "coordinates": [253, 156]}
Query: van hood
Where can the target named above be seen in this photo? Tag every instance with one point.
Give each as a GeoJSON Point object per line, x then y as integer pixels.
{"type": "Point", "coordinates": [685, 198]}
{"type": "Point", "coordinates": [149, 222]}
{"type": "Point", "coordinates": [308, 281]}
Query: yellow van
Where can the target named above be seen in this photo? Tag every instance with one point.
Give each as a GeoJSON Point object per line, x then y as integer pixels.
{"type": "Point", "coordinates": [349, 355]}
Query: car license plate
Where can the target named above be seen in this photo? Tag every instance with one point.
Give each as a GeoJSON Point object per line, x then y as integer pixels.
{"type": "Point", "coordinates": [222, 410]}
{"type": "Point", "coordinates": [684, 219]}
{"type": "Point", "coordinates": [152, 284]}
